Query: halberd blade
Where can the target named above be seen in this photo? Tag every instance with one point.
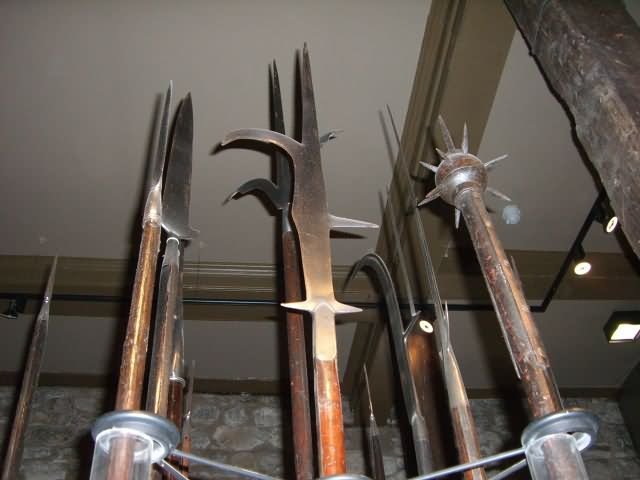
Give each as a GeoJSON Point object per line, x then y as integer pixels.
{"type": "Point", "coordinates": [177, 189]}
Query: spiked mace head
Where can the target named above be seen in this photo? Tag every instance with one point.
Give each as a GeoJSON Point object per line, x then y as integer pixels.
{"type": "Point", "coordinates": [458, 171]}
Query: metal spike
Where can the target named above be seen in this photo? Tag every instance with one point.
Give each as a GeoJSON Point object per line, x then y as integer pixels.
{"type": "Point", "coordinates": [457, 218]}
{"type": "Point", "coordinates": [342, 222]}
{"type": "Point", "coordinates": [491, 163]}
{"type": "Point", "coordinates": [446, 135]}
{"type": "Point", "coordinates": [498, 194]}
{"type": "Point", "coordinates": [330, 135]}
{"type": "Point", "coordinates": [231, 196]}
{"type": "Point", "coordinates": [433, 168]}
{"type": "Point", "coordinates": [432, 195]}
{"type": "Point", "coordinates": [465, 139]}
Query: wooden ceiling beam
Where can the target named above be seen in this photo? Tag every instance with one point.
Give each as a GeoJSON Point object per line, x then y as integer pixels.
{"type": "Point", "coordinates": [588, 52]}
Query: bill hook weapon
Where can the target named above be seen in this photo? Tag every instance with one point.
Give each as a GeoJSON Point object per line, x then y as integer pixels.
{"type": "Point", "coordinates": [280, 196]}
{"type": "Point", "coordinates": [312, 222]}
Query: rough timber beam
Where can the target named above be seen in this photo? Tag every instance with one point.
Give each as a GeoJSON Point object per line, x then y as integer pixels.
{"type": "Point", "coordinates": [588, 52]}
{"type": "Point", "coordinates": [461, 60]}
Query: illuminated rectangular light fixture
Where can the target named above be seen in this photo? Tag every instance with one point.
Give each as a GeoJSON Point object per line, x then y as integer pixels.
{"type": "Point", "coordinates": [623, 327]}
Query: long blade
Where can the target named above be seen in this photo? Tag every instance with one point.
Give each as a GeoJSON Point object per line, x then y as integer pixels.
{"type": "Point", "coordinates": [177, 189]}
{"type": "Point", "coordinates": [29, 382]}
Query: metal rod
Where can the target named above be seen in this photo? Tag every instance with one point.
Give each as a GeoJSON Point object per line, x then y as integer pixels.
{"type": "Point", "coordinates": [510, 470]}
{"type": "Point", "coordinates": [498, 457]}
{"type": "Point", "coordinates": [172, 470]}
{"type": "Point", "coordinates": [32, 369]}
{"type": "Point", "coordinates": [222, 466]}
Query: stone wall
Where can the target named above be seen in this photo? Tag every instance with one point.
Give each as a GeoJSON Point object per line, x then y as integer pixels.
{"type": "Point", "coordinates": [247, 430]}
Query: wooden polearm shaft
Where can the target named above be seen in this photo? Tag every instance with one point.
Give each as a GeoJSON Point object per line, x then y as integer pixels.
{"type": "Point", "coordinates": [461, 179]}
{"type": "Point", "coordinates": [134, 351]}
{"type": "Point", "coordinates": [30, 378]}
{"type": "Point", "coordinates": [511, 308]}
{"type": "Point", "coordinates": [298, 377]}
{"type": "Point", "coordinates": [134, 354]}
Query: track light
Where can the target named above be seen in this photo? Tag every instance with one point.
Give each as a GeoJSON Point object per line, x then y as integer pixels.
{"type": "Point", "coordinates": [581, 265]}
{"type": "Point", "coordinates": [623, 327]}
{"type": "Point", "coordinates": [606, 216]}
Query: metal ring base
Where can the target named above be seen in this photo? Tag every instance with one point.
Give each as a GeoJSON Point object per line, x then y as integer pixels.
{"type": "Point", "coordinates": [582, 424]}
{"type": "Point", "coordinates": [163, 432]}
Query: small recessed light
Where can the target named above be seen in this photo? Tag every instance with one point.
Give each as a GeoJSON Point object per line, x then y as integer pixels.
{"type": "Point", "coordinates": [625, 331]}
{"type": "Point", "coordinates": [582, 268]}
{"type": "Point", "coordinates": [426, 326]}
{"type": "Point", "coordinates": [611, 224]}
{"type": "Point", "coordinates": [623, 327]}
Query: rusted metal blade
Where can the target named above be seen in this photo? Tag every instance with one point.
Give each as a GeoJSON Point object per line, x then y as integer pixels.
{"type": "Point", "coordinates": [422, 449]}
{"type": "Point", "coordinates": [33, 365]}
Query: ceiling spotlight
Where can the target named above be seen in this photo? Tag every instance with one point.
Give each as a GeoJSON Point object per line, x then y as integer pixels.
{"type": "Point", "coordinates": [623, 327]}
{"type": "Point", "coordinates": [606, 216]}
{"type": "Point", "coordinates": [581, 266]}
{"type": "Point", "coordinates": [426, 326]}
{"type": "Point", "coordinates": [611, 224]}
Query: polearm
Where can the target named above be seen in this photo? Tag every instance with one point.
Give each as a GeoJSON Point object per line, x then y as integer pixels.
{"type": "Point", "coordinates": [313, 221]}
{"type": "Point", "coordinates": [461, 179]}
{"type": "Point", "coordinates": [280, 196]}
{"type": "Point", "coordinates": [30, 378]}
{"type": "Point", "coordinates": [417, 423]}
{"type": "Point", "coordinates": [464, 427]}
{"type": "Point", "coordinates": [166, 376]}
{"type": "Point", "coordinates": [134, 354]}
{"type": "Point", "coordinates": [375, 447]}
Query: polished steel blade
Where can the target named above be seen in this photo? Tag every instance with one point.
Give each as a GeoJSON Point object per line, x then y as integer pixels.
{"type": "Point", "coordinates": [177, 189]}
